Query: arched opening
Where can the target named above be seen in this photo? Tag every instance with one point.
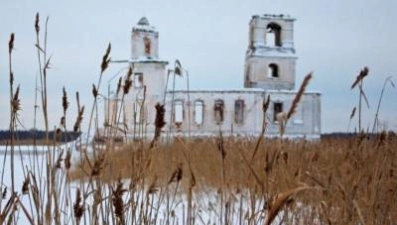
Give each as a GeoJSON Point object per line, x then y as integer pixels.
{"type": "Point", "coordinates": [199, 112]}
{"type": "Point", "coordinates": [138, 80]}
{"type": "Point", "coordinates": [277, 108]}
{"type": "Point", "coordinates": [178, 112]}
{"type": "Point", "coordinates": [239, 111]}
{"type": "Point", "coordinates": [146, 41]}
{"type": "Point", "coordinates": [272, 71]}
{"type": "Point", "coordinates": [273, 35]}
{"type": "Point", "coordinates": [219, 111]}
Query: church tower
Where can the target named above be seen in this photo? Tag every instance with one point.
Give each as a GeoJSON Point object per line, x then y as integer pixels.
{"type": "Point", "coordinates": [270, 57]}
{"type": "Point", "coordinates": [149, 69]}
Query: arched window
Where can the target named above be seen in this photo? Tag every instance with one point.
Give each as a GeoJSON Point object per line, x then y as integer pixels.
{"type": "Point", "coordinates": [199, 112]}
{"type": "Point", "coordinates": [146, 41]}
{"type": "Point", "coordinates": [277, 108]}
{"type": "Point", "coordinates": [178, 112]}
{"type": "Point", "coordinates": [138, 80]}
{"type": "Point", "coordinates": [219, 111]}
{"type": "Point", "coordinates": [239, 111]}
{"type": "Point", "coordinates": [273, 35]}
{"type": "Point", "coordinates": [272, 70]}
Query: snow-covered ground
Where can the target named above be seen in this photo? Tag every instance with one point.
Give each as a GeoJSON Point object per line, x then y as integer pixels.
{"type": "Point", "coordinates": [208, 206]}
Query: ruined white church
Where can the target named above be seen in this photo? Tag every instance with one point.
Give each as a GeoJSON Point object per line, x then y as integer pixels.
{"type": "Point", "coordinates": [270, 64]}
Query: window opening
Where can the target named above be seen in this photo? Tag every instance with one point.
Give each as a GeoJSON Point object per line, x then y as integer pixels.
{"type": "Point", "coordinates": [178, 112]}
{"type": "Point", "coordinates": [273, 35]}
{"type": "Point", "coordinates": [277, 108]}
{"type": "Point", "coordinates": [219, 111]}
{"type": "Point", "coordinates": [138, 80]}
{"type": "Point", "coordinates": [146, 41]}
{"type": "Point", "coordinates": [239, 111]}
{"type": "Point", "coordinates": [273, 70]}
{"type": "Point", "coordinates": [199, 112]}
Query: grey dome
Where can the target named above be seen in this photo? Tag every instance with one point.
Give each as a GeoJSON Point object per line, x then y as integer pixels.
{"type": "Point", "coordinates": [143, 21]}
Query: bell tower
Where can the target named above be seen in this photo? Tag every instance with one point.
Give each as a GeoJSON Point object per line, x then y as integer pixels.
{"type": "Point", "coordinates": [149, 69]}
{"type": "Point", "coordinates": [270, 57]}
{"type": "Point", "coordinates": [144, 41]}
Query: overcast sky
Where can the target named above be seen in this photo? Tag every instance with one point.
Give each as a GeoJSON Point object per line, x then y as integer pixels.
{"type": "Point", "coordinates": [334, 39]}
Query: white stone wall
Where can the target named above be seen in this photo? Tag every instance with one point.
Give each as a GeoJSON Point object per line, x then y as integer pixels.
{"type": "Point", "coordinates": [181, 111]}
{"type": "Point", "coordinates": [251, 120]}
{"type": "Point", "coordinates": [307, 119]}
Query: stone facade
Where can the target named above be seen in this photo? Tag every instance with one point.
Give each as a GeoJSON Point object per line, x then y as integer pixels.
{"type": "Point", "coordinates": [269, 70]}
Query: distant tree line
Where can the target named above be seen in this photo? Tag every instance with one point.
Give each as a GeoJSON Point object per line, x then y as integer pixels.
{"type": "Point", "coordinates": [32, 134]}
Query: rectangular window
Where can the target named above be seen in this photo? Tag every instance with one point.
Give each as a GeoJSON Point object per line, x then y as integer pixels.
{"type": "Point", "coordinates": [178, 112]}
{"type": "Point", "coordinates": [239, 111]}
{"type": "Point", "coordinates": [138, 80]}
{"type": "Point", "coordinates": [219, 111]}
{"type": "Point", "coordinates": [199, 112]}
{"type": "Point", "coordinates": [277, 108]}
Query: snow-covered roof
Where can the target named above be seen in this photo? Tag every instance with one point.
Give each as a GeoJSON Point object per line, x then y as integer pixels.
{"type": "Point", "coordinates": [144, 25]}
{"type": "Point", "coordinates": [145, 59]}
{"type": "Point", "coordinates": [274, 16]}
{"type": "Point", "coordinates": [292, 92]}
{"type": "Point", "coordinates": [222, 91]}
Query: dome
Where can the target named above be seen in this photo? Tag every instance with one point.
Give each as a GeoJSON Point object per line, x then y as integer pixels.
{"type": "Point", "coordinates": [143, 22]}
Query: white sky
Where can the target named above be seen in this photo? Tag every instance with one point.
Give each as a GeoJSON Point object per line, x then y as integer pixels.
{"type": "Point", "coordinates": [334, 39]}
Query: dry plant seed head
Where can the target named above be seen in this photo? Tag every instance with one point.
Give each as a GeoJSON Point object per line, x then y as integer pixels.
{"type": "Point", "coordinates": [153, 187]}
{"type": "Point", "coordinates": [63, 124]}
{"type": "Point", "coordinates": [79, 119]}
{"type": "Point", "coordinates": [78, 100]}
{"type": "Point", "coordinates": [94, 91]}
{"type": "Point", "coordinates": [106, 59]}
{"type": "Point", "coordinates": [78, 207]}
{"type": "Point", "coordinates": [176, 175]}
{"type": "Point", "coordinates": [65, 103]}
{"type": "Point", "coordinates": [178, 68]}
{"type": "Point", "coordinates": [36, 23]}
{"type": "Point", "coordinates": [119, 86]}
{"type": "Point", "coordinates": [117, 198]}
{"type": "Point", "coordinates": [59, 161]}
{"type": "Point", "coordinates": [16, 104]}
{"type": "Point", "coordinates": [58, 134]}
{"type": "Point", "coordinates": [266, 104]}
{"type": "Point", "coordinates": [129, 72]}
{"type": "Point", "coordinates": [159, 123]}
{"type": "Point", "coordinates": [363, 73]}
{"type": "Point", "coordinates": [353, 113]}
{"type": "Point", "coordinates": [11, 78]}
{"type": "Point", "coordinates": [127, 85]}
{"type": "Point", "coordinates": [67, 159]}
{"type": "Point", "coordinates": [25, 186]}
{"type": "Point", "coordinates": [299, 95]}
{"type": "Point", "coordinates": [279, 201]}
{"type": "Point", "coordinates": [98, 165]}
{"type": "Point", "coordinates": [11, 43]}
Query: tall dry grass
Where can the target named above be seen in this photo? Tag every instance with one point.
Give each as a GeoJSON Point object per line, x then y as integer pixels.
{"type": "Point", "coordinates": [348, 180]}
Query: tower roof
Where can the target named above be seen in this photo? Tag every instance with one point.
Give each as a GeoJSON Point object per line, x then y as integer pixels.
{"type": "Point", "coordinates": [144, 25]}
{"type": "Point", "coordinates": [144, 22]}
